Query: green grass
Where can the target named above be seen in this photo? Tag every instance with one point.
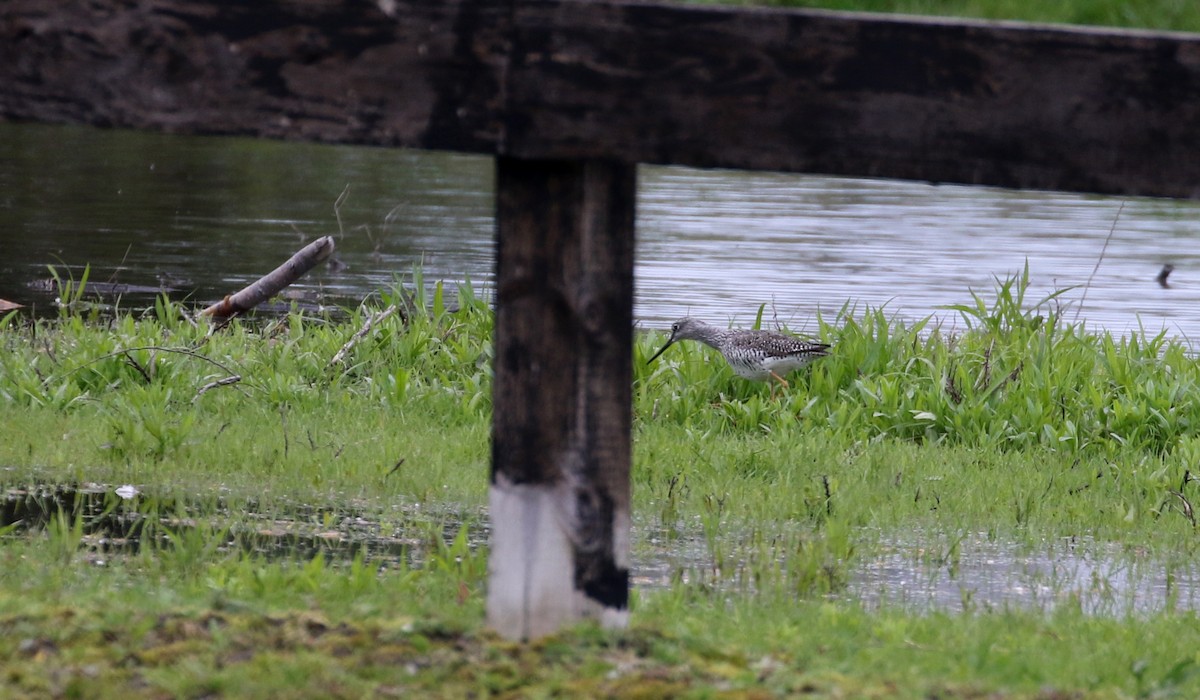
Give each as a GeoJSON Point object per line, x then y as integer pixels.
{"type": "Point", "coordinates": [124, 402]}
{"type": "Point", "coordinates": [1175, 15]}
{"type": "Point", "coordinates": [1018, 427]}
{"type": "Point", "coordinates": [244, 629]}
{"type": "Point", "coordinates": [1018, 377]}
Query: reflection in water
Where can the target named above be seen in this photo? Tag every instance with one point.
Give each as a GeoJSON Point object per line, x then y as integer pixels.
{"type": "Point", "coordinates": [920, 573]}
{"type": "Point", "coordinates": [986, 574]}
{"type": "Point", "coordinates": [211, 214]}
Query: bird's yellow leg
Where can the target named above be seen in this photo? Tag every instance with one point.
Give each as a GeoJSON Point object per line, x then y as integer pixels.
{"type": "Point", "coordinates": [779, 379]}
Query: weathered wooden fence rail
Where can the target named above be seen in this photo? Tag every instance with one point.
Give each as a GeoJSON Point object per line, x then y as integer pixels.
{"type": "Point", "coordinates": [569, 96]}
{"type": "Point", "coordinates": [1013, 106]}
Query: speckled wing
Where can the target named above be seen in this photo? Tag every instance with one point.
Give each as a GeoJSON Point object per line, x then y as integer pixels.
{"type": "Point", "coordinates": [775, 345]}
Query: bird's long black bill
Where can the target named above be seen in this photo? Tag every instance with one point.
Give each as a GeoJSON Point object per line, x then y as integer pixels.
{"type": "Point", "coordinates": [660, 351]}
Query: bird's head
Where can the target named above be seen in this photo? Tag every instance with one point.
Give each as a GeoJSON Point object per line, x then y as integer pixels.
{"type": "Point", "coordinates": [683, 329]}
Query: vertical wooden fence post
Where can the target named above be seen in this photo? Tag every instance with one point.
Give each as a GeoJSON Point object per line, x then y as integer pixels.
{"type": "Point", "coordinates": [561, 444]}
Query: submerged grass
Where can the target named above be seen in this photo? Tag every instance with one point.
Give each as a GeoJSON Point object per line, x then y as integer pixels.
{"type": "Point", "coordinates": [1020, 426]}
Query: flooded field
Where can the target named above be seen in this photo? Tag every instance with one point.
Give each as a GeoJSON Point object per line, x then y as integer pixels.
{"type": "Point", "coordinates": [919, 572]}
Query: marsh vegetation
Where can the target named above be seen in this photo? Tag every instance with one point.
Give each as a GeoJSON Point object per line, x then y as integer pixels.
{"type": "Point", "coordinates": [190, 513]}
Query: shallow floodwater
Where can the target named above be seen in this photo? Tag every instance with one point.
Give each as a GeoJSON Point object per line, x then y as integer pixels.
{"type": "Point", "coordinates": [980, 573]}
{"type": "Point", "coordinates": [204, 216]}
{"type": "Point", "coordinates": [922, 571]}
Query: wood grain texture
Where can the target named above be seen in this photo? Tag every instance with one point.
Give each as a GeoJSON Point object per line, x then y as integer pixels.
{"type": "Point", "coordinates": [563, 366]}
{"type": "Point", "coordinates": [977, 103]}
{"type": "Point", "coordinates": [311, 70]}
{"type": "Point", "coordinates": [970, 102]}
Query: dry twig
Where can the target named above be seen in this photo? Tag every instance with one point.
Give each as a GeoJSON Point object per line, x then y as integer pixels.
{"type": "Point", "coordinates": [362, 333]}
{"type": "Point", "coordinates": [224, 381]}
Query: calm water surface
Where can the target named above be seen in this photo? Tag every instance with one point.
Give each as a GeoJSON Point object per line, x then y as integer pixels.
{"type": "Point", "coordinates": [208, 215]}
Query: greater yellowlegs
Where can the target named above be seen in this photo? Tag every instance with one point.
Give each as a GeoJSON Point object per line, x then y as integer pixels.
{"type": "Point", "coordinates": [755, 355]}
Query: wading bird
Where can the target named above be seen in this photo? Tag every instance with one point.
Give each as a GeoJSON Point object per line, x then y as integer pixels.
{"type": "Point", "coordinates": [755, 355]}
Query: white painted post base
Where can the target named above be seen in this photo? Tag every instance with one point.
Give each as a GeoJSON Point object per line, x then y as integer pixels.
{"type": "Point", "coordinates": [531, 566]}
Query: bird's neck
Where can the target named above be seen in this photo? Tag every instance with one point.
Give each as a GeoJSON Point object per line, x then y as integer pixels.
{"type": "Point", "coordinates": [713, 336]}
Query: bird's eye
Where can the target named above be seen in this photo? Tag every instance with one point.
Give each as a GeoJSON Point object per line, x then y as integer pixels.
{"type": "Point", "coordinates": [674, 327]}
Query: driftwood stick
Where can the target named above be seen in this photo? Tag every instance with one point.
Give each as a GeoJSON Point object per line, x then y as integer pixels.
{"type": "Point", "coordinates": [268, 286]}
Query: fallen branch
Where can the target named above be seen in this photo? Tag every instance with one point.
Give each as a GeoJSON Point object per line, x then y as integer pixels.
{"type": "Point", "coordinates": [225, 381]}
{"type": "Point", "coordinates": [362, 333]}
{"type": "Point", "coordinates": [271, 284]}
